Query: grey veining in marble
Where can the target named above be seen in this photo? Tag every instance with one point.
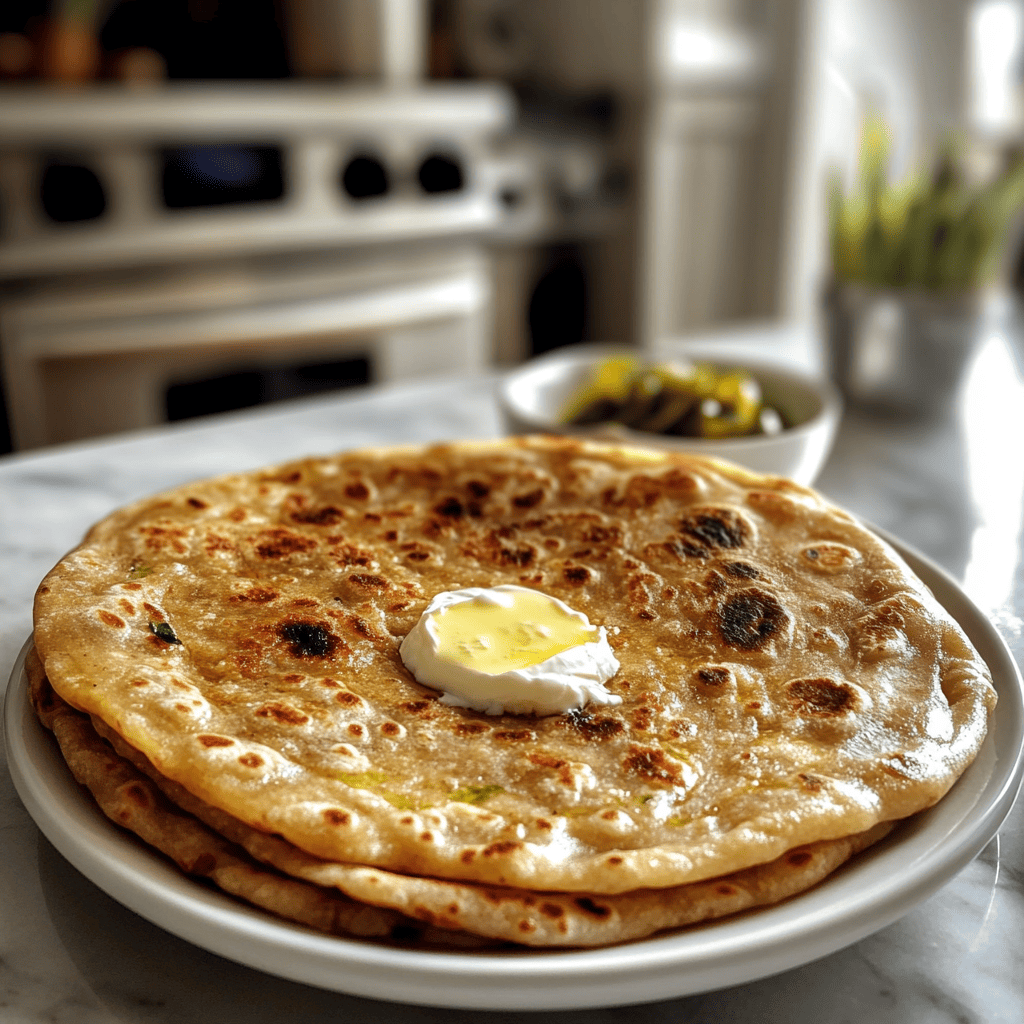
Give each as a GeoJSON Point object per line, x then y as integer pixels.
{"type": "Point", "coordinates": [68, 953]}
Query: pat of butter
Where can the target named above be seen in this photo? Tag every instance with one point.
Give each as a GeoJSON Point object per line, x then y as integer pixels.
{"type": "Point", "coordinates": [502, 629]}
{"type": "Point", "coordinates": [510, 649]}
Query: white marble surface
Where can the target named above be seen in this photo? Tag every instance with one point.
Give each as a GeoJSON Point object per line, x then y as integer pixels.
{"type": "Point", "coordinates": [954, 489]}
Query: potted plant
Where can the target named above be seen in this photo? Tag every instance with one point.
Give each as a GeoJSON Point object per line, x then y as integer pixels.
{"type": "Point", "coordinates": [915, 267]}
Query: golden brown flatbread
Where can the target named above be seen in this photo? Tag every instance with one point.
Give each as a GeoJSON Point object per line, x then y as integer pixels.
{"type": "Point", "coordinates": [132, 801]}
{"type": "Point", "coordinates": [785, 677]}
{"type": "Point", "coordinates": [365, 902]}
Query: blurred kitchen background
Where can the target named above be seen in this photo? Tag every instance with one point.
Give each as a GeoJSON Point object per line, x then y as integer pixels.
{"type": "Point", "coordinates": [208, 204]}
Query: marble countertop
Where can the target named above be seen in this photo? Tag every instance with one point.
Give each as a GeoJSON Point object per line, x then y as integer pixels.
{"type": "Point", "coordinates": [953, 488]}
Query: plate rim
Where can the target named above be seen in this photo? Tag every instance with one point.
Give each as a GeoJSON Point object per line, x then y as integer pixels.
{"type": "Point", "coordinates": [728, 952]}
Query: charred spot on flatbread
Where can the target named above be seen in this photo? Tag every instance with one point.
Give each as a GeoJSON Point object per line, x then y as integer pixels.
{"type": "Point", "coordinates": [326, 515]}
{"type": "Point", "coordinates": [652, 765]}
{"type": "Point", "coordinates": [750, 618]}
{"type": "Point", "coordinates": [714, 681]}
{"type": "Point", "coordinates": [591, 727]}
{"type": "Point", "coordinates": [309, 639]}
{"type": "Point", "coordinates": [281, 542]}
{"type": "Point", "coordinates": [715, 529]}
{"type": "Point", "coordinates": [821, 697]}
{"type": "Point", "coordinates": [742, 570]}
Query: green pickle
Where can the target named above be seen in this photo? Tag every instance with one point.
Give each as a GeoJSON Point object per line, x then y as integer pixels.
{"type": "Point", "coordinates": [604, 392]}
{"type": "Point", "coordinates": [737, 400]}
{"type": "Point", "coordinates": [681, 399]}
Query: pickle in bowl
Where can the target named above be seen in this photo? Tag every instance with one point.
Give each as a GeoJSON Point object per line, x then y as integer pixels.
{"type": "Point", "coordinates": [675, 398]}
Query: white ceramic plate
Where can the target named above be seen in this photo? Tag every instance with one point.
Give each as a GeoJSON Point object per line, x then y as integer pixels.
{"type": "Point", "coordinates": [875, 889]}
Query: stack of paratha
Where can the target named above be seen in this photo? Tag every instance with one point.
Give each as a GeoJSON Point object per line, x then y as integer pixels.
{"type": "Point", "coordinates": [226, 680]}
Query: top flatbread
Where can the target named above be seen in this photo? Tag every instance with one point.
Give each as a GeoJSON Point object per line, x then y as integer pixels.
{"type": "Point", "coordinates": [785, 677]}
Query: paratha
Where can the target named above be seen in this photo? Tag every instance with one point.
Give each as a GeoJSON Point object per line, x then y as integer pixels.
{"type": "Point", "coordinates": [369, 903]}
{"type": "Point", "coordinates": [786, 679]}
{"type": "Point", "coordinates": [131, 801]}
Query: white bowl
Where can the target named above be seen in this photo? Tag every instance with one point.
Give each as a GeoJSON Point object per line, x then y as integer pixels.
{"type": "Point", "coordinates": [532, 397]}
